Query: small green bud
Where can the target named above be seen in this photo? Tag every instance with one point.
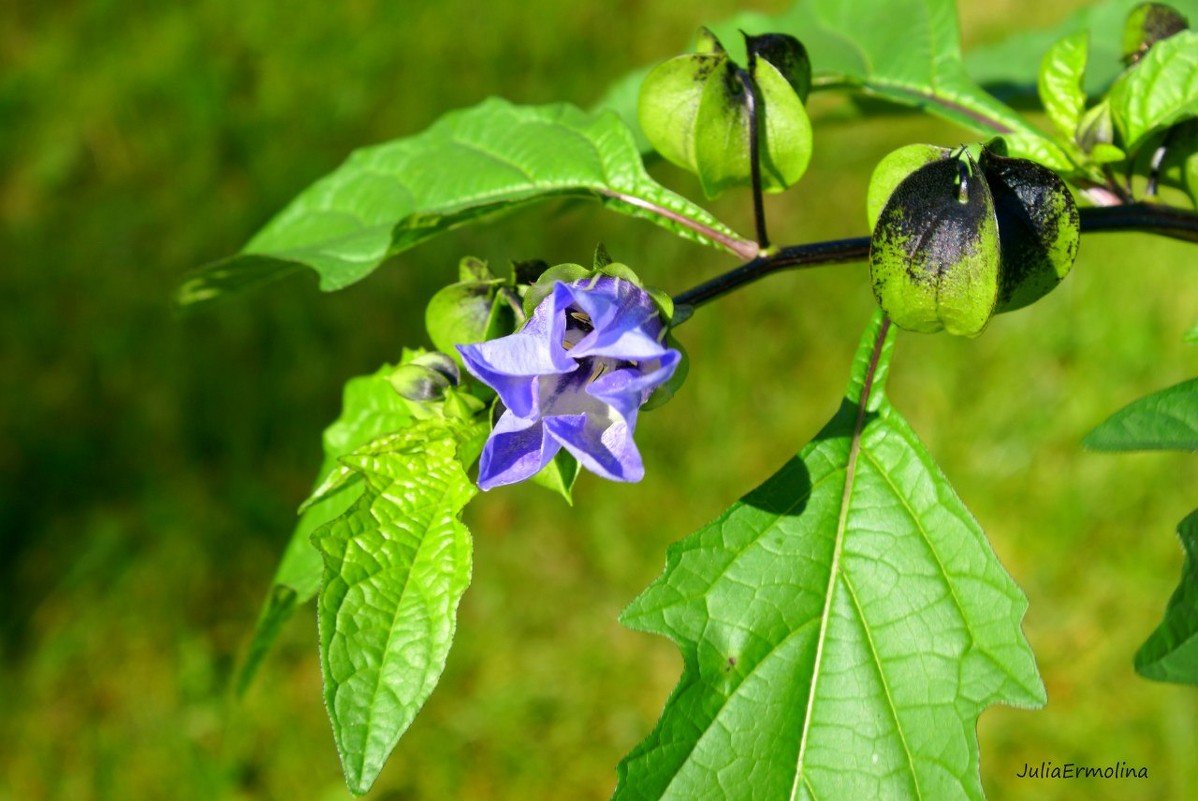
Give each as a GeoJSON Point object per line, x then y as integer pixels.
{"type": "Point", "coordinates": [469, 311]}
{"type": "Point", "coordinates": [426, 378]}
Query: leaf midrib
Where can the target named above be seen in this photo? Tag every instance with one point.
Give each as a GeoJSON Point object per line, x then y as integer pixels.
{"type": "Point", "coordinates": [834, 568]}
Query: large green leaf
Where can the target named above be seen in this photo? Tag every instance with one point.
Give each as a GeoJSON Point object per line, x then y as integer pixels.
{"type": "Point", "coordinates": [395, 566]}
{"type": "Point", "coordinates": [370, 408]}
{"type": "Point", "coordinates": [471, 163]}
{"type": "Point", "coordinates": [1171, 652]}
{"type": "Point", "coordinates": [841, 627]}
{"type": "Point", "coordinates": [1165, 420]}
{"type": "Point", "coordinates": [1160, 90]}
{"type": "Point", "coordinates": [856, 41]}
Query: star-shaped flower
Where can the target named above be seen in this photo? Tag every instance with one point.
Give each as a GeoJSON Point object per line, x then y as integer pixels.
{"type": "Point", "coordinates": [573, 377]}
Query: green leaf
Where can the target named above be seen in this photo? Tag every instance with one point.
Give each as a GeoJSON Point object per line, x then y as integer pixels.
{"type": "Point", "coordinates": [472, 163]}
{"type": "Point", "coordinates": [1171, 652]}
{"type": "Point", "coordinates": [395, 566]}
{"type": "Point", "coordinates": [841, 627]}
{"type": "Point", "coordinates": [1158, 91]}
{"type": "Point", "coordinates": [370, 408]}
{"type": "Point", "coordinates": [855, 41]}
{"type": "Point", "coordinates": [1010, 66]}
{"type": "Point", "coordinates": [1039, 149]}
{"type": "Point", "coordinates": [1192, 335]}
{"type": "Point", "coordinates": [1165, 420]}
{"type": "Point", "coordinates": [1060, 84]}
{"type": "Point", "coordinates": [559, 475]}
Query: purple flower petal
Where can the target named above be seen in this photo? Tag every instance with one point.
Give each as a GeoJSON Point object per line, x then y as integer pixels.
{"type": "Point", "coordinates": [605, 449]}
{"type": "Point", "coordinates": [575, 377]}
{"type": "Point", "coordinates": [516, 450]}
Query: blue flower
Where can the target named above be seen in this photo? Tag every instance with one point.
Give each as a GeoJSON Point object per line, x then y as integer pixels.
{"type": "Point", "coordinates": [573, 377]}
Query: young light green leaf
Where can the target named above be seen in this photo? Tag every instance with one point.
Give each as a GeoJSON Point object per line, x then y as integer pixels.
{"type": "Point", "coordinates": [1192, 335]}
{"type": "Point", "coordinates": [1171, 652]}
{"type": "Point", "coordinates": [1158, 91]}
{"type": "Point", "coordinates": [1060, 85]}
{"type": "Point", "coordinates": [370, 408]}
{"type": "Point", "coordinates": [841, 627]}
{"type": "Point", "coordinates": [1165, 420]}
{"type": "Point", "coordinates": [471, 163]}
{"type": "Point", "coordinates": [395, 566]}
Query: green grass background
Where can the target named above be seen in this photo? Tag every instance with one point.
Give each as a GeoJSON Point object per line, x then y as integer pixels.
{"type": "Point", "coordinates": [150, 465]}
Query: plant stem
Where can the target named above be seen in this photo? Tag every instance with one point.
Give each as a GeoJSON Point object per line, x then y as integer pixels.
{"type": "Point", "coordinates": [1145, 217]}
{"type": "Point", "coordinates": [751, 98]}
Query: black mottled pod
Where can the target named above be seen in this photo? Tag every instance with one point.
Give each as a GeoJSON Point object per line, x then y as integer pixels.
{"type": "Point", "coordinates": [934, 257]}
{"type": "Point", "coordinates": [1038, 228]}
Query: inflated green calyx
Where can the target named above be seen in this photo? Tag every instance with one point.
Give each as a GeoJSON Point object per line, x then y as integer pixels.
{"type": "Point", "coordinates": [1038, 228]}
{"type": "Point", "coordinates": [934, 257]}
{"type": "Point", "coordinates": [1147, 24]}
{"type": "Point", "coordinates": [695, 111]}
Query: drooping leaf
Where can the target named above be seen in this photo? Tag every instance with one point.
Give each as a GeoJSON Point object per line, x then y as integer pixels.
{"type": "Point", "coordinates": [934, 256]}
{"type": "Point", "coordinates": [370, 408]}
{"type": "Point", "coordinates": [395, 566]}
{"type": "Point", "coordinates": [1158, 91]}
{"type": "Point", "coordinates": [841, 627]}
{"type": "Point", "coordinates": [470, 164]}
{"type": "Point", "coordinates": [1164, 420]}
{"type": "Point", "coordinates": [1061, 73]}
{"type": "Point", "coordinates": [1171, 652]}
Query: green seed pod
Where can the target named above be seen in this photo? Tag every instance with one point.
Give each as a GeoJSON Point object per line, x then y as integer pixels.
{"type": "Point", "coordinates": [934, 257]}
{"type": "Point", "coordinates": [1147, 24]}
{"type": "Point", "coordinates": [472, 310]}
{"type": "Point", "coordinates": [1038, 228]}
{"type": "Point", "coordinates": [693, 110]}
{"type": "Point", "coordinates": [787, 55]}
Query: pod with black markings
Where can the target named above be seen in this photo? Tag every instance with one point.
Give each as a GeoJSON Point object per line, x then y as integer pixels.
{"type": "Point", "coordinates": [934, 256]}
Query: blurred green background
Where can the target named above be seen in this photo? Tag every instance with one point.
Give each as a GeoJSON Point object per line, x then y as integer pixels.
{"type": "Point", "coordinates": [150, 465]}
